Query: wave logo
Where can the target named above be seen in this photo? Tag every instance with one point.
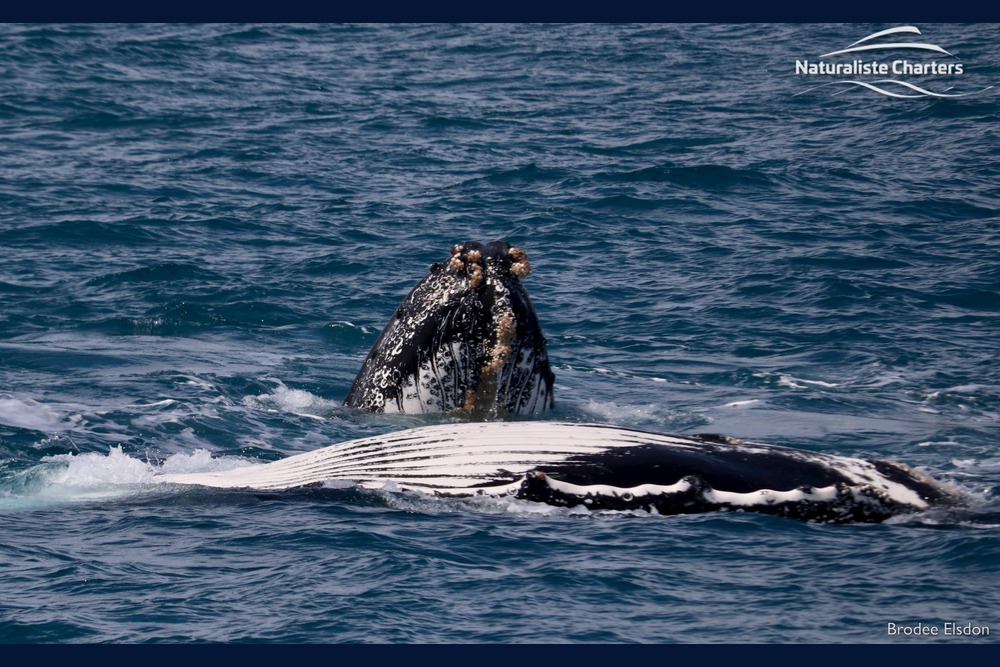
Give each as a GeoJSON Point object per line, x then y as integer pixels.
{"type": "Point", "coordinates": [893, 76]}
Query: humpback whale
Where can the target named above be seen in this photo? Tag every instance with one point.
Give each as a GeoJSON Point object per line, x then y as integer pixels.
{"type": "Point", "coordinates": [466, 341]}
{"type": "Point", "coordinates": [601, 467]}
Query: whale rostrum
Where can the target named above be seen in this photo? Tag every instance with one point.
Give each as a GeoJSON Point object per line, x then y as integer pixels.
{"type": "Point", "coordinates": [465, 340]}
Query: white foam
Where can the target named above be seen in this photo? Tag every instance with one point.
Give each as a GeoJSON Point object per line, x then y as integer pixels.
{"type": "Point", "coordinates": [742, 404]}
{"type": "Point", "coordinates": [85, 470]}
{"type": "Point", "coordinates": [489, 504]}
{"type": "Point", "coordinates": [883, 378]}
{"type": "Point", "coordinates": [983, 464]}
{"type": "Point", "coordinates": [939, 443]}
{"type": "Point", "coordinates": [295, 401]}
{"type": "Point", "coordinates": [31, 414]}
{"type": "Point", "coordinates": [799, 383]}
{"type": "Point", "coordinates": [608, 411]}
{"type": "Point", "coordinates": [201, 460]}
{"type": "Point", "coordinates": [93, 476]}
{"type": "Point", "coordinates": [345, 324]}
{"type": "Point", "coordinates": [966, 389]}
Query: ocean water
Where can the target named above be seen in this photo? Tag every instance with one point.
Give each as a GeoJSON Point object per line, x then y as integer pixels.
{"type": "Point", "coordinates": [204, 228]}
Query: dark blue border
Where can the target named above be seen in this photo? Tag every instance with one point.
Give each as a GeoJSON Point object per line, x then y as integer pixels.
{"type": "Point", "coordinates": [883, 11]}
{"type": "Point", "coordinates": [581, 655]}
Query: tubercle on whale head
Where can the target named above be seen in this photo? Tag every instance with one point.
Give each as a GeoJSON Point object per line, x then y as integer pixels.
{"type": "Point", "coordinates": [474, 258]}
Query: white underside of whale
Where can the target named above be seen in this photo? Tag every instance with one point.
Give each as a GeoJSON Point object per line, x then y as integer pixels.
{"type": "Point", "coordinates": [493, 458]}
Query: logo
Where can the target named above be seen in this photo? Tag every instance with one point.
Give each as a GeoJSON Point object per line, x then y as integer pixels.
{"type": "Point", "coordinates": [890, 65]}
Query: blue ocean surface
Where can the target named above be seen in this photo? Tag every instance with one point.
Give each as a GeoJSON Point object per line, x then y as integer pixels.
{"type": "Point", "coordinates": [203, 228]}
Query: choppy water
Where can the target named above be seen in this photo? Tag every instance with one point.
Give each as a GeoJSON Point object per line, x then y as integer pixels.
{"type": "Point", "coordinates": [203, 229]}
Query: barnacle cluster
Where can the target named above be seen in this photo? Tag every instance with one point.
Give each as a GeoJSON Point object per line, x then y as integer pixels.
{"type": "Point", "coordinates": [471, 260]}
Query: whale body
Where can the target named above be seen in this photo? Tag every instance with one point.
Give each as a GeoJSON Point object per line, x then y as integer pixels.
{"type": "Point", "coordinates": [601, 467]}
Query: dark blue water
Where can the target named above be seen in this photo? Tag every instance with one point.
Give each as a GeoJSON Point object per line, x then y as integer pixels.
{"type": "Point", "coordinates": [203, 229]}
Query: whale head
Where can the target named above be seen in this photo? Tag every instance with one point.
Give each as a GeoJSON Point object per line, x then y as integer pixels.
{"type": "Point", "coordinates": [465, 340]}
